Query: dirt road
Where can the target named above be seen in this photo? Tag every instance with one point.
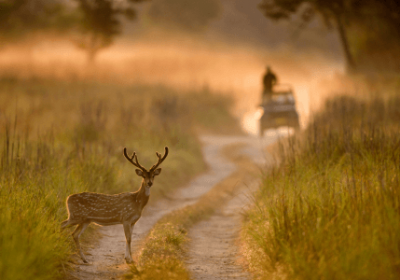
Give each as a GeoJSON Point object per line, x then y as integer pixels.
{"type": "Point", "coordinates": [213, 252]}
{"type": "Point", "coordinates": [106, 259]}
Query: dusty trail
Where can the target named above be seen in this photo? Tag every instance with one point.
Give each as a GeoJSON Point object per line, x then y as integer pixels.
{"type": "Point", "coordinates": [212, 250]}
{"type": "Point", "coordinates": [213, 253]}
{"type": "Point", "coordinates": [106, 259]}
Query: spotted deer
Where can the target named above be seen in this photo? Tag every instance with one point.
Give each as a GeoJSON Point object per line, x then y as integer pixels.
{"type": "Point", "coordinates": [104, 209]}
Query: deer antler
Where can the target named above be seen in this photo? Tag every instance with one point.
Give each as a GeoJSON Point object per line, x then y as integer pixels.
{"type": "Point", "coordinates": [134, 157]}
{"type": "Point", "coordinates": [160, 159]}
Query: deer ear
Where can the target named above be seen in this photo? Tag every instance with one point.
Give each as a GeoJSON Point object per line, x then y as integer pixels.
{"type": "Point", "coordinates": [139, 172]}
{"type": "Point", "coordinates": [157, 172]}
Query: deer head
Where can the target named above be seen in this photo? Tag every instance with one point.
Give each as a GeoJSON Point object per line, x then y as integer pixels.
{"type": "Point", "coordinates": [147, 175]}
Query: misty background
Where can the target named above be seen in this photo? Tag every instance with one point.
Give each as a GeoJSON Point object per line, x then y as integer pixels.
{"type": "Point", "coordinates": [223, 45]}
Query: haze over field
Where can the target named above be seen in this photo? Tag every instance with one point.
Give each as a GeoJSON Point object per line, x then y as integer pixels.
{"type": "Point", "coordinates": [228, 57]}
{"type": "Point", "coordinates": [84, 83]}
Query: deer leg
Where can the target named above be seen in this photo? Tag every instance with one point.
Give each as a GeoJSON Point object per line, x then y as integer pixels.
{"type": "Point", "coordinates": [76, 234]}
{"type": "Point", "coordinates": [128, 235]}
{"type": "Point", "coordinates": [68, 223]}
{"type": "Point", "coordinates": [65, 223]}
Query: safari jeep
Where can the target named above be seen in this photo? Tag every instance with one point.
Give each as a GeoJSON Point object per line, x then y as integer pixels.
{"type": "Point", "coordinates": [279, 109]}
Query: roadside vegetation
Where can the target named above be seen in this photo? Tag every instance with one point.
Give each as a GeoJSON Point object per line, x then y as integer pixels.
{"type": "Point", "coordinates": [60, 137]}
{"type": "Point", "coordinates": [162, 255]}
{"type": "Point", "coordinates": [330, 209]}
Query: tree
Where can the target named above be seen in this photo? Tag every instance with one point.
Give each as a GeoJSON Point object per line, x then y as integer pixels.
{"type": "Point", "coordinates": [22, 19]}
{"type": "Point", "coordinates": [335, 13]}
{"type": "Point", "coordinates": [186, 15]}
{"type": "Point", "coordinates": [375, 36]}
{"type": "Point", "coordinates": [100, 22]}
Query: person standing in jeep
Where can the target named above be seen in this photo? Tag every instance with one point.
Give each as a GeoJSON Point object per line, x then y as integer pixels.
{"type": "Point", "coordinates": [269, 80]}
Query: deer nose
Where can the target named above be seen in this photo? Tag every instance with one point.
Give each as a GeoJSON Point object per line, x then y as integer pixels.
{"type": "Point", "coordinates": [150, 184]}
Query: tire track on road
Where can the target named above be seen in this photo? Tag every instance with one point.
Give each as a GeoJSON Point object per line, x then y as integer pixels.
{"type": "Point", "coordinates": [213, 251]}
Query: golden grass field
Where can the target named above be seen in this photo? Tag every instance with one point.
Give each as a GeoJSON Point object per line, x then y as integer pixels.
{"type": "Point", "coordinates": [63, 126]}
{"type": "Point", "coordinates": [329, 209]}
{"type": "Point", "coordinates": [62, 134]}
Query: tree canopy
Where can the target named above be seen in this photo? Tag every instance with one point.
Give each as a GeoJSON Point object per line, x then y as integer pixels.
{"type": "Point", "coordinates": [339, 14]}
{"type": "Point", "coordinates": [20, 19]}
{"type": "Point", "coordinates": [100, 22]}
{"type": "Point", "coordinates": [93, 24]}
{"type": "Point", "coordinates": [334, 13]}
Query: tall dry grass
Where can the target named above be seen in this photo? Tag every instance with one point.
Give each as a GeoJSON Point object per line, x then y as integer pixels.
{"type": "Point", "coordinates": [59, 137]}
{"type": "Point", "coordinates": [331, 208]}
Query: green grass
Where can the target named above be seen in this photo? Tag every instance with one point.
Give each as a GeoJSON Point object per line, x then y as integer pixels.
{"type": "Point", "coordinates": [59, 138]}
{"type": "Point", "coordinates": [162, 256]}
{"type": "Point", "coordinates": [331, 208]}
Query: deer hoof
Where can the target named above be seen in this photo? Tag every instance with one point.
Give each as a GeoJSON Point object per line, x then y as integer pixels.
{"type": "Point", "coordinates": [84, 259]}
{"type": "Point", "coordinates": [129, 260]}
